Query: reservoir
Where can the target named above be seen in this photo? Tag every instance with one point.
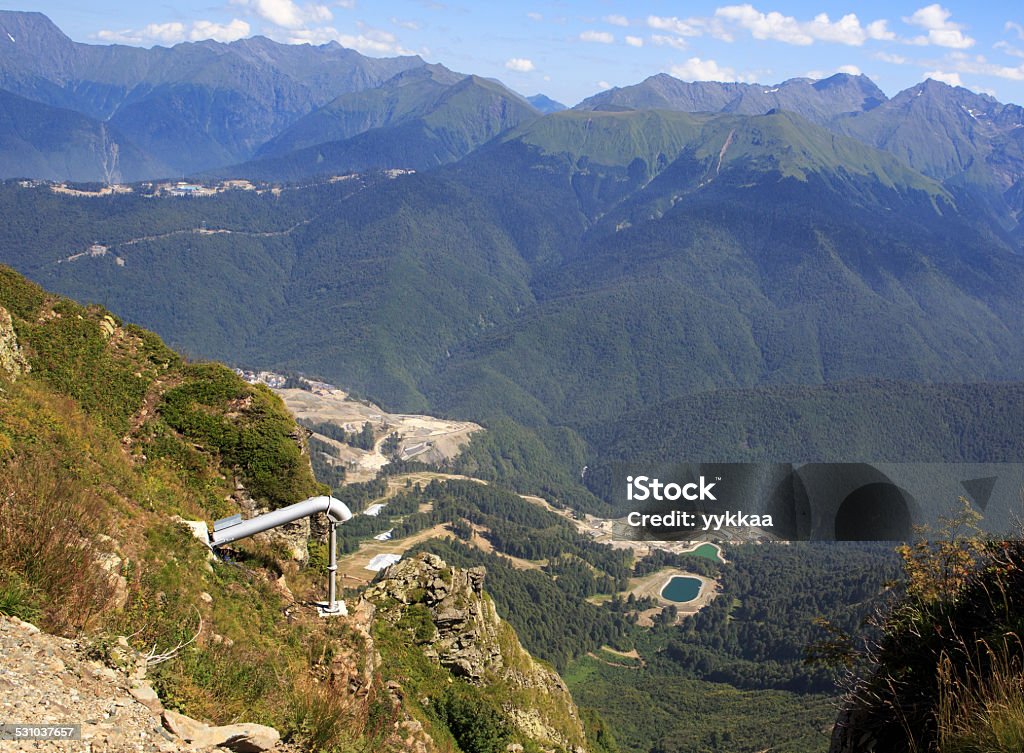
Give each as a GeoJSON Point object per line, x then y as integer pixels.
{"type": "Point", "coordinates": [708, 552]}
{"type": "Point", "coordinates": [681, 589]}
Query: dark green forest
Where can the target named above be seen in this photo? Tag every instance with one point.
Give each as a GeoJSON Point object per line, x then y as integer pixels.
{"type": "Point", "coordinates": [562, 294]}
{"type": "Point", "coordinates": [741, 658]}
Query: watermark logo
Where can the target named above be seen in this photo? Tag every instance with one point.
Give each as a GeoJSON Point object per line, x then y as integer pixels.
{"type": "Point", "coordinates": [643, 488]}
{"type": "Point", "coordinates": [804, 501]}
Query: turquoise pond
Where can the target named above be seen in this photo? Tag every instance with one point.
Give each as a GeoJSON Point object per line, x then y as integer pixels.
{"type": "Point", "coordinates": [708, 552]}
{"type": "Point", "coordinates": [681, 589]}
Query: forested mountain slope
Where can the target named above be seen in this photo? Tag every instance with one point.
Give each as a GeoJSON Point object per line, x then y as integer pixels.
{"type": "Point", "coordinates": [568, 274]}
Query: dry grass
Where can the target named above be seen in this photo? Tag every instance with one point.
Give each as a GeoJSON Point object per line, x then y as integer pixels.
{"type": "Point", "coordinates": [49, 518]}
{"type": "Point", "coordinates": [983, 712]}
{"type": "Point", "coordinates": [325, 719]}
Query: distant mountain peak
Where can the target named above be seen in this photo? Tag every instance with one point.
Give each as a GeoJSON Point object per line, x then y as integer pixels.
{"type": "Point", "coordinates": [939, 91]}
{"type": "Point", "coordinates": [30, 30]}
{"type": "Point", "coordinates": [192, 106]}
{"type": "Point", "coordinates": [432, 72]}
{"type": "Point", "coordinates": [545, 104]}
{"type": "Point", "coordinates": [816, 100]}
{"type": "Point", "coordinates": [27, 19]}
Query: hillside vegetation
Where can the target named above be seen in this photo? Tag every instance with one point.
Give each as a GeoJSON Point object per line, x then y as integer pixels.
{"type": "Point", "coordinates": [107, 439]}
{"type": "Point", "coordinates": [941, 665]}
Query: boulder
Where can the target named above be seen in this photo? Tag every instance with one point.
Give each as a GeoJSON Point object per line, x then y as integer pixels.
{"type": "Point", "coordinates": [144, 694]}
{"type": "Point", "coordinates": [241, 738]}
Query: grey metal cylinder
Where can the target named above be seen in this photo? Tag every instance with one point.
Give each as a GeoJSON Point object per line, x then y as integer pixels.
{"type": "Point", "coordinates": [335, 509]}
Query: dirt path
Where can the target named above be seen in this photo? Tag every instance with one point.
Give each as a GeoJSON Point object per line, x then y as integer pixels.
{"type": "Point", "coordinates": [210, 231]}
{"type": "Point", "coordinates": [595, 657]}
{"type": "Point", "coordinates": [352, 567]}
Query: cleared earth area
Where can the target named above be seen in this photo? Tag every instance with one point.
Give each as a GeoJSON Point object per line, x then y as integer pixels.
{"type": "Point", "coordinates": [423, 438]}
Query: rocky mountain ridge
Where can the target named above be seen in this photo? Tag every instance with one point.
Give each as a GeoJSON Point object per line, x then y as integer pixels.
{"type": "Point", "coordinates": [260, 109]}
{"type": "Point", "coordinates": [191, 106]}
{"type": "Point", "coordinates": [461, 630]}
{"type": "Point", "coordinates": [816, 100]}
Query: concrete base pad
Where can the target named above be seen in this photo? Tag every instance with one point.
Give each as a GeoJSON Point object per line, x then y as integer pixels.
{"type": "Point", "coordinates": [323, 609]}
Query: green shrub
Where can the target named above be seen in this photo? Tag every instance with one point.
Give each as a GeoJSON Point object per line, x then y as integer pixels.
{"type": "Point", "coordinates": [475, 723]}
{"type": "Point", "coordinates": [17, 597]}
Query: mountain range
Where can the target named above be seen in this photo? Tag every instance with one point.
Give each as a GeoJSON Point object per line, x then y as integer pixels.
{"type": "Point", "coordinates": [260, 109]}
{"type": "Point", "coordinates": [582, 268]}
{"type": "Point", "coordinates": [684, 271]}
{"type": "Point", "coordinates": [554, 274]}
{"type": "Point", "coordinates": [191, 106]}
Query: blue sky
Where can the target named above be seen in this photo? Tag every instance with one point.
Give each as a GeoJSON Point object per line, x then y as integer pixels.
{"type": "Point", "coordinates": [570, 50]}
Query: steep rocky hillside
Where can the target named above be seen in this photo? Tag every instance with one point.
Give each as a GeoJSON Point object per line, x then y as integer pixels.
{"type": "Point", "coordinates": [445, 612]}
{"type": "Point", "coordinates": [108, 440]}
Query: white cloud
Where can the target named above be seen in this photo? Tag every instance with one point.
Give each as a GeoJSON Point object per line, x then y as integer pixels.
{"type": "Point", "coordinates": [367, 41]}
{"type": "Point", "coordinates": [696, 69]}
{"type": "Point", "coordinates": [1009, 49]}
{"type": "Point", "coordinates": [346, 4]}
{"type": "Point", "coordinates": [602, 37]}
{"type": "Point", "coordinates": [535, 16]}
{"type": "Point", "coordinates": [979, 66]}
{"type": "Point", "coordinates": [880, 30]}
{"type": "Point", "coordinates": [850, 69]}
{"type": "Point", "coordinates": [411, 25]}
{"type": "Point", "coordinates": [286, 13]}
{"type": "Point", "coordinates": [663, 40]}
{"type": "Point", "coordinates": [175, 32]}
{"type": "Point", "coordinates": [635, 41]}
{"type": "Point", "coordinates": [775, 26]}
{"type": "Point", "coordinates": [617, 20]}
{"type": "Point", "coordinates": [691, 27]}
{"type": "Point", "coordinates": [169, 33]}
{"type": "Point", "coordinates": [953, 79]}
{"type": "Point", "coordinates": [522, 65]}
{"type": "Point", "coordinates": [603, 85]}
{"type": "Point", "coordinates": [236, 29]}
{"type": "Point", "coordinates": [941, 31]}
{"type": "Point", "coordinates": [888, 57]}
{"type": "Point", "coordinates": [1015, 27]}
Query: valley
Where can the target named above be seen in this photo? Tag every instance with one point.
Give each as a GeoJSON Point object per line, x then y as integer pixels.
{"type": "Point", "coordinates": [210, 224]}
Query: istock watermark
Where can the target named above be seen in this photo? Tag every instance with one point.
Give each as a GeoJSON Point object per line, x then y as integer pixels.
{"type": "Point", "coordinates": [808, 501]}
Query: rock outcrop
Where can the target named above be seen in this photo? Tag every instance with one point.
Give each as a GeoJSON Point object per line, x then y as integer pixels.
{"type": "Point", "coordinates": [466, 636]}
{"type": "Point", "coordinates": [466, 624]}
{"type": "Point", "coordinates": [12, 359]}
{"type": "Point", "coordinates": [241, 738]}
{"type": "Point", "coordinates": [45, 679]}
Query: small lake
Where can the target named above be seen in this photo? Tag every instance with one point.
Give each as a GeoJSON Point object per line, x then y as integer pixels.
{"type": "Point", "coordinates": [708, 552]}
{"type": "Point", "coordinates": [681, 589]}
